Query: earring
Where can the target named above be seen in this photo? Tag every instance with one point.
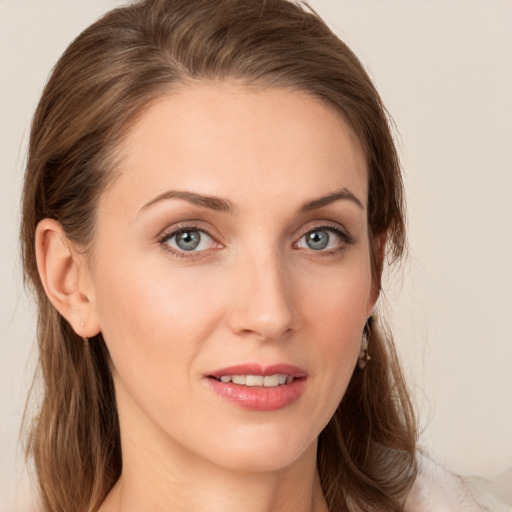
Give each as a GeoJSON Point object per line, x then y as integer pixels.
{"type": "Point", "coordinates": [363, 357]}
{"type": "Point", "coordinates": [86, 340]}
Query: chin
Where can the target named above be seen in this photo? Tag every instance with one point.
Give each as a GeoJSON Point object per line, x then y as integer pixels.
{"type": "Point", "coordinates": [264, 453]}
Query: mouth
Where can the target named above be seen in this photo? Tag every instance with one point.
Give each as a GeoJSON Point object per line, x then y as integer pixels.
{"type": "Point", "coordinates": [259, 388]}
{"type": "Point", "coordinates": [267, 381]}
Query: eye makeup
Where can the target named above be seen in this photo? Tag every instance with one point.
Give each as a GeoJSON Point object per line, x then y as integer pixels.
{"type": "Point", "coordinates": [191, 240]}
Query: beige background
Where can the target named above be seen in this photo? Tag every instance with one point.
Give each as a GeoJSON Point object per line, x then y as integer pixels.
{"type": "Point", "coordinates": [444, 69]}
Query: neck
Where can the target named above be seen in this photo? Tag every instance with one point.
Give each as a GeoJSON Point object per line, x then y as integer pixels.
{"type": "Point", "coordinates": [160, 472]}
{"type": "Point", "coordinates": [155, 480]}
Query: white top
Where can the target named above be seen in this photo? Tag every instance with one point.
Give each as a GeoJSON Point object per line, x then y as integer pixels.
{"type": "Point", "coordinates": [436, 489]}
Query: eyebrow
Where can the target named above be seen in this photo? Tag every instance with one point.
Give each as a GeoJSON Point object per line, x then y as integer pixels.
{"type": "Point", "coordinates": [343, 194]}
{"type": "Point", "coordinates": [223, 205]}
{"type": "Point", "coordinates": [211, 202]}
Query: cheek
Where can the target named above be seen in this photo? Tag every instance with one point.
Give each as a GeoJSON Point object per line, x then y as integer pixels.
{"type": "Point", "coordinates": [155, 324]}
{"type": "Point", "coordinates": [339, 326]}
{"type": "Point", "coordinates": [335, 314]}
{"type": "Point", "coordinates": [338, 302]}
{"type": "Point", "coordinates": [151, 318]}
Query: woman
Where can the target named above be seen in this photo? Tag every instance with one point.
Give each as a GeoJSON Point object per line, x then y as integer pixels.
{"type": "Point", "coordinates": [211, 193]}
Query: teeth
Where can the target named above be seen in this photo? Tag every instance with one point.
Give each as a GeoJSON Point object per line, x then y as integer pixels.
{"type": "Point", "coordinates": [254, 380]}
{"type": "Point", "coordinates": [269, 381]}
{"type": "Point", "coordinates": [238, 379]}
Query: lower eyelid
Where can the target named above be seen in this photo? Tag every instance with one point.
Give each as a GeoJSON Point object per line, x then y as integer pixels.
{"type": "Point", "coordinates": [165, 237]}
{"type": "Point", "coordinates": [344, 236]}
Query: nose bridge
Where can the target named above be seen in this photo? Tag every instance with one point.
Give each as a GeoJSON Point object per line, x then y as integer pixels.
{"type": "Point", "coordinates": [263, 299]}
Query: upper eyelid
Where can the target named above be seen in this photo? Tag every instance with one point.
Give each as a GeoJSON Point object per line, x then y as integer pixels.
{"type": "Point", "coordinates": [169, 233]}
{"type": "Point", "coordinates": [347, 238]}
{"type": "Point", "coordinates": [175, 229]}
{"type": "Point", "coordinates": [195, 225]}
{"type": "Point", "coordinates": [179, 227]}
{"type": "Point", "coordinates": [327, 225]}
{"type": "Point", "coordinates": [172, 233]}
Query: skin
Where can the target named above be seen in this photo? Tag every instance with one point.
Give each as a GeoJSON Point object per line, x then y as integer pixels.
{"type": "Point", "coordinates": [253, 291]}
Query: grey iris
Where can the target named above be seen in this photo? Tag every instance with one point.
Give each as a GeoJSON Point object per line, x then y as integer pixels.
{"type": "Point", "coordinates": [317, 240]}
{"type": "Point", "coordinates": [188, 240]}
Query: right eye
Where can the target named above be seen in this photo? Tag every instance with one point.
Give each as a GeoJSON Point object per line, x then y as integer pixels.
{"type": "Point", "coordinates": [188, 240]}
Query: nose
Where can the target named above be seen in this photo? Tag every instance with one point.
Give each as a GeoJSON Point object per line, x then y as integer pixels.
{"type": "Point", "coordinates": [262, 302]}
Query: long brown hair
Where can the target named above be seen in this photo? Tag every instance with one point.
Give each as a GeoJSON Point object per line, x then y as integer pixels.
{"type": "Point", "coordinates": [106, 78]}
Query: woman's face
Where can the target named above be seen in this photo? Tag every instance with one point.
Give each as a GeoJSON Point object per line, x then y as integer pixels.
{"type": "Point", "coordinates": [231, 274]}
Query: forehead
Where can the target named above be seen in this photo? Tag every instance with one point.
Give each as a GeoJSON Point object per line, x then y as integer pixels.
{"type": "Point", "coordinates": [227, 139]}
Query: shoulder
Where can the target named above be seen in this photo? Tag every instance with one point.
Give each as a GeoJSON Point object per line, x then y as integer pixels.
{"type": "Point", "coordinates": [437, 489]}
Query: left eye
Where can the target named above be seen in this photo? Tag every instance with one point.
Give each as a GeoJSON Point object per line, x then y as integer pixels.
{"type": "Point", "coordinates": [320, 240]}
{"type": "Point", "coordinates": [189, 240]}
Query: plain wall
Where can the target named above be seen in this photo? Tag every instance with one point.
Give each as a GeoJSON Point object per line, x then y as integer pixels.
{"type": "Point", "coordinates": [444, 70]}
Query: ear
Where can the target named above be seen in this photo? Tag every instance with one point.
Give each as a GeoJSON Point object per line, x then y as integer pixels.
{"type": "Point", "coordinates": [378, 249]}
{"type": "Point", "coordinates": [66, 278]}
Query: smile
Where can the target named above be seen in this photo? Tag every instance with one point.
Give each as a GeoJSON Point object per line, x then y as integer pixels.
{"type": "Point", "coordinates": [259, 388]}
{"type": "Point", "coordinates": [268, 381]}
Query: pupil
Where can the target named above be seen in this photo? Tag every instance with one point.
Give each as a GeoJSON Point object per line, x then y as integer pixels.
{"type": "Point", "coordinates": [318, 240]}
{"type": "Point", "coordinates": [188, 240]}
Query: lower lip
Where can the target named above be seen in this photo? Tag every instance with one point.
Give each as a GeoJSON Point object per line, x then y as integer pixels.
{"type": "Point", "coordinates": [259, 398]}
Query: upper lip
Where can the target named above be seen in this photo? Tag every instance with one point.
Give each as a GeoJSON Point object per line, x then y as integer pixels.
{"type": "Point", "coordinates": [258, 369]}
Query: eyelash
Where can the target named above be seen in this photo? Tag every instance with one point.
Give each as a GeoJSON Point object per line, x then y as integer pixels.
{"type": "Point", "coordinates": [347, 239]}
{"type": "Point", "coordinates": [175, 231]}
{"type": "Point", "coordinates": [183, 228]}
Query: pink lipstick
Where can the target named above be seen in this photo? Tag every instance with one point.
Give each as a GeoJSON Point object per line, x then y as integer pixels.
{"type": "Point", "coordinates": [257, 387]}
